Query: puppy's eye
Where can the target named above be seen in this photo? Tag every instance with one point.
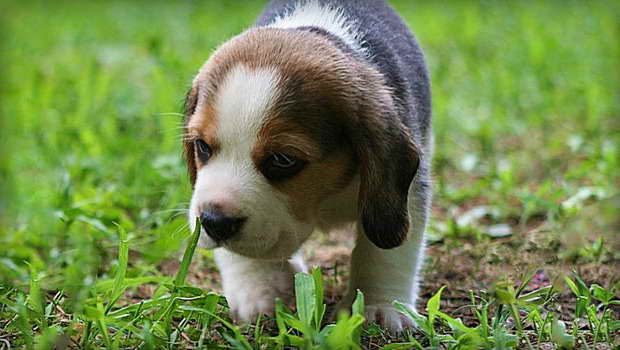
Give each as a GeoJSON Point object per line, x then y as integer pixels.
{"type": "Point", "coordinates": [279, 166]}
{"type": "Point", "coordinates": [203, 151]}
{"type": "Point", "coordinates": [283, 161]}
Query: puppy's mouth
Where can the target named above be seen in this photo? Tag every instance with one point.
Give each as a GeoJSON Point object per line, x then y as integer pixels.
{"type": "Point", "coordinates": [211, 244]}
{"type": "Point", "coordinates": [256, 246]}
{"type": "Point", "coordinates": [276, 249]}
{"type": "Point", "coordinates": [207, 242]}
{"type": "Point", "coordinates": [248, 248]}
{"type": "Point", "coordinates": [242, 243]}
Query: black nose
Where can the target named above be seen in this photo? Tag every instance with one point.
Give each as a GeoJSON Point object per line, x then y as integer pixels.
{"type": "Point", "coordinates": [219, 226]}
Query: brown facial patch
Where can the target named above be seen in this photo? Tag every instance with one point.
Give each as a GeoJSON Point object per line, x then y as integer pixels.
{"type": "Point", "coordinates": [191, 100]}
{"type": "Point", "coordinates": [337, 113]}
{"type": "Point", "coordinates": [330, 166]}
{"type": "Point", "coordinates": [317, 181]}
{"type": "Point", "coordinates": [200, 123]}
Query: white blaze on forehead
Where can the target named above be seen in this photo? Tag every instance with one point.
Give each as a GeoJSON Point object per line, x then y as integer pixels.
{"type": "Point", "coordinates": [241, 105]}
{"type": "Point", "coordinates": [327, 17]}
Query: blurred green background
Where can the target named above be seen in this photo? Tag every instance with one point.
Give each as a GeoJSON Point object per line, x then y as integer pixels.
{"type": "Point", "coordinates": [526, 109]}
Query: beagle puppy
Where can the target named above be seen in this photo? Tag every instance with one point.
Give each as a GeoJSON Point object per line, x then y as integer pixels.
{"type": "Point", "coordinates": [316, 118]}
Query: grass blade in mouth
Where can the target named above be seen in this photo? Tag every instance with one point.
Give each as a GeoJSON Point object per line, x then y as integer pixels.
{"type": "Point", "coordinates": [187, 256]}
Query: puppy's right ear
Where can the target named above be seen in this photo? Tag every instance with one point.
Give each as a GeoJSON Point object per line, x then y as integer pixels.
{"type": "Point", "coordinates": [189, 107]}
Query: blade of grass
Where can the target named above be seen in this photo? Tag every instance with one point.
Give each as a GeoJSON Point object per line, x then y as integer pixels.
{"type": "Point", "coordinates": [239, 339]}
{"type": "Point", "coordinates": [319, 305]}
{"type": "Point", "coordinates": [86, 335]}
{"type": "Point", "coordinates": [187, 256]}
{"type": "Point", "coordinates": [35, 298]}
{"type": "Point", "coordinates": [432, 306]}
{"type": "Point", "coordinates": [343, 334]}
{"type": "Point", "coordinates": [104, 285]}
{"type": "Point", "coordinates": [23, 321]}
{"type": "Point", "coordinates": [358, 305]}
{"type": "Point", "coordinates": [358, 309]}
{"type": "Point", "coordinates": [403, 346]}
{"type": "Point", "coordinates": [147, 336]}
{"type": "Point", "coordinates": [101, 323]}
{"type": "Point", "coordinates": [179, 281]}
{"type": "Point", "coordinates": [305, 297]}
{"type": "Point", "coordinates": [123, 260]}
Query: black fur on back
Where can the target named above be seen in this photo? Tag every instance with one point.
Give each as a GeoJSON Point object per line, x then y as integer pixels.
{"type": "Point", "coordinates": [391, 48]}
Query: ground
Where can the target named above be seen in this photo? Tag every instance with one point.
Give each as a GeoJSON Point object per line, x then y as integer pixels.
{"type": "Point", "coordinates": [526, 117]}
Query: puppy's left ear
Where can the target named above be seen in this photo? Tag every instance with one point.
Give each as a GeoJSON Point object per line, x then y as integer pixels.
{"type": "Point", "coordinates": [389, 160]}
{"type": "Point", "coordinates": [189, 107]}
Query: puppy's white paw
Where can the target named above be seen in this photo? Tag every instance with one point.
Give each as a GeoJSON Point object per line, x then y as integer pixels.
{"type": "Point", "coordinates": [384, 314]}
{"type": "Point", "coordinates": [388, 317]}
{"type": "Point", "coordinates": [250, 298]}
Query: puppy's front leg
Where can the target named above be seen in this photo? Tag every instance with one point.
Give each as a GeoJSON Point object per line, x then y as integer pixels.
{"type": "Point", "coordinates": [251, 285]}
{"type": "Point", "coordinates": [385, 276]}
{"type": "Point", "coordinates": [388, 275]}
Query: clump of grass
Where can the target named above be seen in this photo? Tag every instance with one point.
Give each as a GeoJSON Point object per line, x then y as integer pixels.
{"type": "Point", "coordinates": [180, 315]}
{"type": "Point", "coordinates": [525, 124]}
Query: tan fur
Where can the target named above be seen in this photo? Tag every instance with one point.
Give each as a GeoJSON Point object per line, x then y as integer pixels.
{"type": "Point", "coordinates": [201, 124]}
{"type": "Point", "coordinates": [324, 175]}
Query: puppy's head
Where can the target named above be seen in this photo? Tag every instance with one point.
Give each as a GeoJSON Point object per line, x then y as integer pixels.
{"type": "Point", "coordinates": [277, 121]}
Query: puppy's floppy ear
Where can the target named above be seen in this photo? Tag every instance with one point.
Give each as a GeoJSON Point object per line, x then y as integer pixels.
{"type": "Point", "coordinates": [189, 107]}
{"type": "Point", "coordinates": [389, 160]}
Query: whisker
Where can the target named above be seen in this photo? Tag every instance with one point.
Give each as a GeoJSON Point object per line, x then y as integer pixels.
{"type": "Point", "coordinates": [174, 129]}
{"type": "Point", "coordinates": [168, 114]}
{"type": "Point", "coordinates": [181, 228]}
{"type": "Point", "coordinates": [180, 127]}
{"type": "Point", "coordinates": [176, 211]}
{"type": "Point", "coordinates": [186, 137]}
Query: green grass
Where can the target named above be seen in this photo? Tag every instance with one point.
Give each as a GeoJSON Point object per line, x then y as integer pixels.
{"type": "Point", "coordinates": [526, 100]}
